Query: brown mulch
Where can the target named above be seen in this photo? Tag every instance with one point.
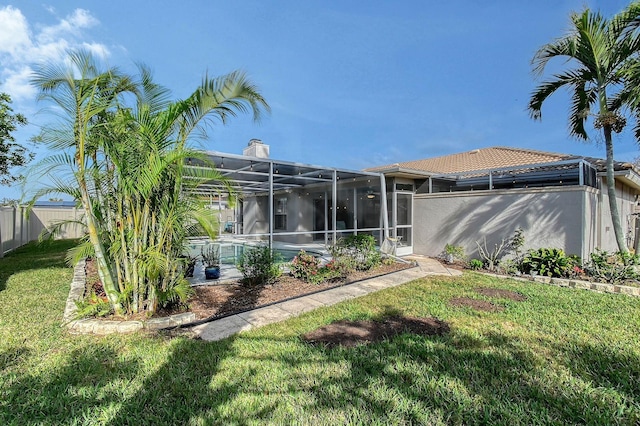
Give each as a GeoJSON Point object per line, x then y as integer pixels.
{"type": "Point", "coordinates": [480, 305]}
{"type": "Point", "coordinates": [229, 298]}
{"type": "Point", "coordinates": [224, 299]}
{"type": "Point", "coordinates": [500, 293]}
{"type": "Point", "coordinates": [352, 333]}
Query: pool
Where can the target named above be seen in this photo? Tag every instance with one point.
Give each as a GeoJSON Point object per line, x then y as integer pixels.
{"type": "Point", "coordinates": [231, 251]}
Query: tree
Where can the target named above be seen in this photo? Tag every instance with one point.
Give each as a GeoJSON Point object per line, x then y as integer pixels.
{"type": "Point", "coordinates": [599, 53]}
{"type": "Point", "coordinates": [127, 146]}
{"type": "Point", "coordinates": [11, 153]}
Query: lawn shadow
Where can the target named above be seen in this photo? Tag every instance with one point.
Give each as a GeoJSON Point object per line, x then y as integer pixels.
{"type": "Point", "coordinates": [89, 380]}
{"type": "Point", "coordinates": [492, 379]}
{"type": "Point", "coordinates": [48, 254]}
{"type": "Point", "coordinates": [181, 389]}
{"type": "Point", "coordinates": [606, 367]}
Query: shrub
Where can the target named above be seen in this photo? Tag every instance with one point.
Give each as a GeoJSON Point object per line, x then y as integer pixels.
{"type": "Point", "coordinates": [510, 266]}
{"type": "Point", "coordinates": [307, 268]}
{"type": "Point", "coordinates": [491, 258]}
{"type": "Point", "coordinates": [475, 264]}
{"type": "Point", "coordinates": [259, 266]}
{"type": "Point", "coordinates": [613, 268]}
{"type": "Point", "coordinates": [451, 253]}
{"type": "Point", "coordinates": [551, 262]}
{"type": "Point", "coordinates": [356, 252]}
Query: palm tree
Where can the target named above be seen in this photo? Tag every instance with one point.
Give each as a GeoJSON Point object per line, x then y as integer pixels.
{"type": "Point", "coordinates": [130, 166]}
{"type": "Point", "coordinates": [82, 92]}
{"type": "Point", "coordinates": [598, 53]}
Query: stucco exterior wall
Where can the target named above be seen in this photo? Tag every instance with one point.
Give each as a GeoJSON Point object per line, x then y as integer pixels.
{"type": "Point", "coordinates": [299, 217]}
{"type": "Point", "coordinates": [626, 207]}
{"type": "Point", "coordinates": [551, 217]}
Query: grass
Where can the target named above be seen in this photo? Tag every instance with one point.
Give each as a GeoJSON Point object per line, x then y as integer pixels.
{"type": "Point", "coordinates": [563, 356]}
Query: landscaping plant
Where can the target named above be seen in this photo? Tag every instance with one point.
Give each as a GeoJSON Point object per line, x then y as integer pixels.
{"type": "Point", "coordinates": [599, 58]}
{"type": "Point", "coordinates": [475, 264]}
{"type": "Point", "coordinates": [356, 252]}
{"type": "Point", "coordinates": [452, 253]}
{"type": "Point", "coordinates": [307, 267]}
{"type": "Point", "coordinates": [613, 268]}
{"type": "Point", "coordinates": [550, 262]}
{"type": "Point", "coordinates": [491, 257]}
{"type": "Point", "coordinates": [125, 152]}
{"type": "Point", "coordinates": [259, 266]}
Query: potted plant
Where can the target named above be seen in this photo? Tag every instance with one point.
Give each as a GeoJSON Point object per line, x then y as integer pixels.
{"type": "Point", "coordinates": [190, 265]}
{"type": "Point", "coordinates": [211, 261]}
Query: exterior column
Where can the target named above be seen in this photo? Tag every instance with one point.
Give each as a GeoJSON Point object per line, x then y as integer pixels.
{"type": "Point", "coordinates": [270, 204]}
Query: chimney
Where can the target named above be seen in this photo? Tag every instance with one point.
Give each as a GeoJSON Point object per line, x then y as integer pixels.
{"type": "Point", "coordinates": [256, 148]}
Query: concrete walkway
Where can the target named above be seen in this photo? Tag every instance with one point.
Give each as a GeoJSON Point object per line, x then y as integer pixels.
{"type": "Point", "coordinates": [225, 327]}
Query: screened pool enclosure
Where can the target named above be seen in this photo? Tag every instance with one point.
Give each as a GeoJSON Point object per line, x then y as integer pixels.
{"type": "Point", "coordinates": [296, 204]}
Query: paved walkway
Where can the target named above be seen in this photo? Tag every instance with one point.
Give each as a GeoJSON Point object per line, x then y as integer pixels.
{"type": "Point", "coordinates": [225, 327]}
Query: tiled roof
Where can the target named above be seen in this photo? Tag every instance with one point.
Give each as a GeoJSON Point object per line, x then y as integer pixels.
{"type": "Point", "coordinates": [482, 159]}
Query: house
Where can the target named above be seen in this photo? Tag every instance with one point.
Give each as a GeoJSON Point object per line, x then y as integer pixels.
{"type": "Point", "coordinates": [559, 200]}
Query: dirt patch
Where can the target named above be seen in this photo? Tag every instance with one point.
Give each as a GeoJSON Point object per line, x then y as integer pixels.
{"type": "Point", "coordinates": [352, 333]}
{"type": "Point", "coordinates": [500, 293]}
{"type": "Point", "coordinates": [480, 305]}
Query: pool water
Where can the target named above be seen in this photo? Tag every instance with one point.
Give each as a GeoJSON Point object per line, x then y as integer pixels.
{"type": "Point", "coordinates": [230, 253]}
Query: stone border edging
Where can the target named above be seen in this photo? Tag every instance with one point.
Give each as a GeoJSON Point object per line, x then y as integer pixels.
{"type": "Point", "coordinates": [102, 327]}
{"type": "Point", "coordinates": [579, 284]}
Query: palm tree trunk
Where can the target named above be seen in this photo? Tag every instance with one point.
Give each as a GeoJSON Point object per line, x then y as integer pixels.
{"type": "Point", "coordinates": [104, 272]}
{"type": "Point", "coordinates": [611, 191]}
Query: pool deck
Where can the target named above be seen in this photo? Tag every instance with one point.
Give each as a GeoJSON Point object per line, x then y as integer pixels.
{"type": "Point", "coordinates": [228, 326]}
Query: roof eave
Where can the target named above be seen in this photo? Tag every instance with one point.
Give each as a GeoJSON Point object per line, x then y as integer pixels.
{"type": "Point", "coordinates": [630, 177]}
{"type": "Point", "coordinates": [405, 173]}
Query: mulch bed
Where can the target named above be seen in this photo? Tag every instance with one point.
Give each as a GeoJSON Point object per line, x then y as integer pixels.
{"type": "Point", "coordinates": [225, 299]}
{"type": "Point", "coordinates": [352, 333]}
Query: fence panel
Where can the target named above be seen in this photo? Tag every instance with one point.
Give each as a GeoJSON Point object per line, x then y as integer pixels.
{"type": "Point", "coordinates": [17, 230]}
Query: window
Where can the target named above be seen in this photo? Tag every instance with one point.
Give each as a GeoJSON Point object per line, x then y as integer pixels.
{"type": "Point", "coordinates": [280, 215]}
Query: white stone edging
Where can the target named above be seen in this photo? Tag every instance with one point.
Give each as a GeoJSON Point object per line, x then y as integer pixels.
{"type": "Point", "coordinates": [102, 327]}
{"type": "Point", "coordinates": [572, 283]}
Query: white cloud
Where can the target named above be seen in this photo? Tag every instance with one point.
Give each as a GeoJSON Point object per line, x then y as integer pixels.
{"type": "Point", "coordinates": [21, 47]}
{"type": "Point", "coordinates": [17, 84]}
{"type": "Point", "coordinates": [71, 25]}
{"type": "Point", "coordinates": [14, 31]}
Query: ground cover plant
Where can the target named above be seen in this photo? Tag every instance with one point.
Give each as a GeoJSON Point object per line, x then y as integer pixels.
{"type": "Point", "coordinates": [558, 356]}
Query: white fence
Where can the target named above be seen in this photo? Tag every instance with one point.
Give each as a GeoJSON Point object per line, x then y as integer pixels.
{"type": "Point", "coordinates": [16, 229]}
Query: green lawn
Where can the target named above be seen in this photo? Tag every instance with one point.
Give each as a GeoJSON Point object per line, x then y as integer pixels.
{"type": "Point", "coordinates": [562, 357]}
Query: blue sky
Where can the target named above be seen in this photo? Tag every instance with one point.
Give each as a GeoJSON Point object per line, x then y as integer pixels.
{"type": "Point", "coordinates": [351, 84]}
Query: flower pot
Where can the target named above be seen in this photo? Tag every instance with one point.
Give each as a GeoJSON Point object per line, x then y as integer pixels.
{"type": "Point", "coordinates": [212, 272]}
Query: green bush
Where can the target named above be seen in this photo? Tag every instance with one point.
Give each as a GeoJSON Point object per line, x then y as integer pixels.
{"type": "Point", "coordinates": [307, 268]}
{"type": "Point", "coordinates": [551, 262]}
{"type": "Point", "coordinates": [452, 253]}
{"type": "Point", "coordinates": [613, 268]}
{"type": "Point", "coordinates": [94, 306]}
{"type": "Point", "coordinates": [356, 252]}
{"type": "Point", "coordinates": [259, 266]}
{"type": "Point", "coordinates": [476, 264]}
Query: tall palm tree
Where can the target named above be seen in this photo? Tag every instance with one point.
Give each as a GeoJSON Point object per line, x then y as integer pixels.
{"type": "Point", "coordinates": [81, 92]}
{"type": "Point", "coordinates": [598, 54]}
{"type": "Point", "coordinates": [130, 165]}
